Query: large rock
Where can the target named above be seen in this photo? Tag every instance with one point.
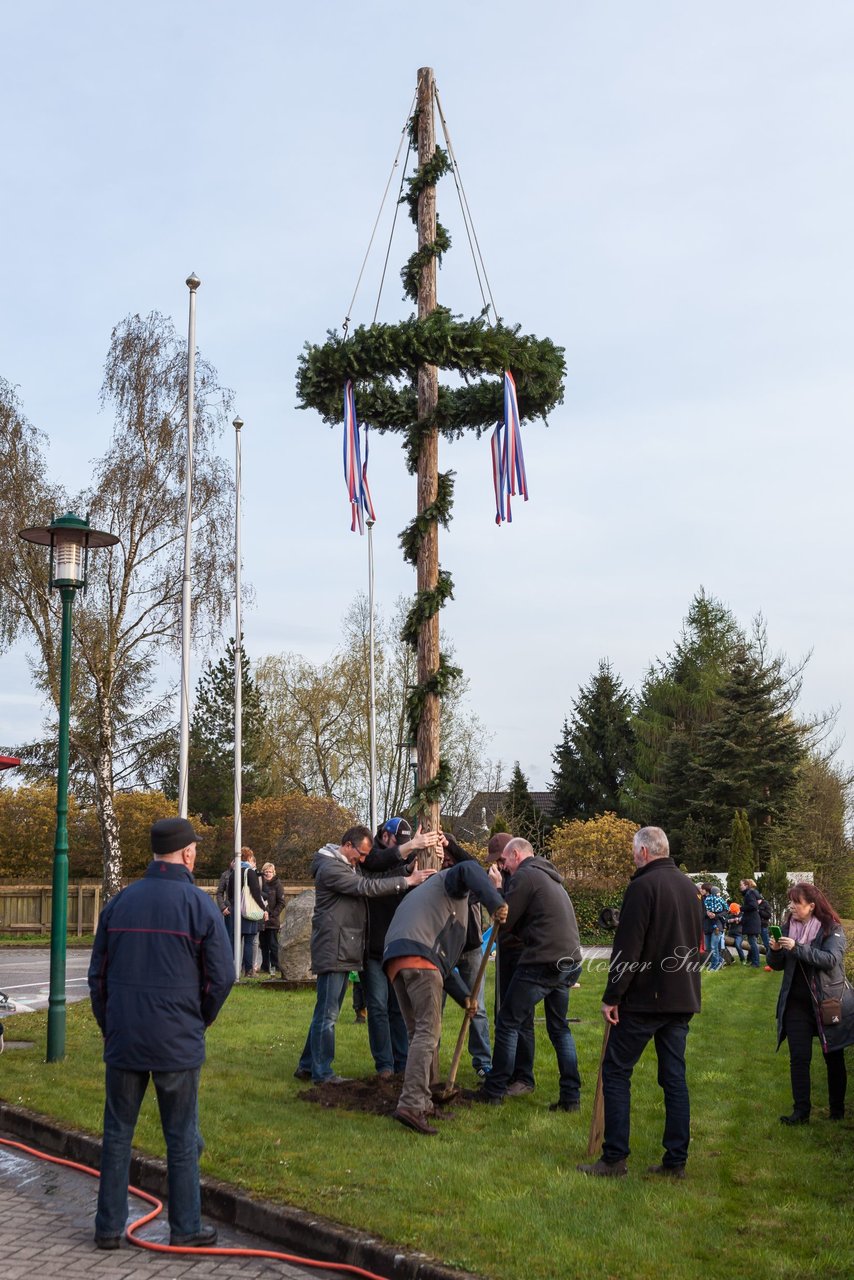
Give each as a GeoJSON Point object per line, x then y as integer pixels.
{"type": "Point", "coordinates": [295, 938]}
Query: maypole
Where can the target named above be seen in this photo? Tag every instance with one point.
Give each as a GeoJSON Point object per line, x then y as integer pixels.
{"type": "Point", "coordinates": [392, 372]}
{"type": "Point", "coordinates": [427, 566]}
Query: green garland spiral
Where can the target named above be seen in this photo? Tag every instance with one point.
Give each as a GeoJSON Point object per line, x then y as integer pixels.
{"type": "Point", "coordinates": [382, 361]}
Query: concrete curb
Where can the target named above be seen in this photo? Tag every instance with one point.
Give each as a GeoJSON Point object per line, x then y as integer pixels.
{"type": "Point", "coordinates": [294, 1230]}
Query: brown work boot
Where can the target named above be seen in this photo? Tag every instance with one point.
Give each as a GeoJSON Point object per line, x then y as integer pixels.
{"type": "Point", "coordinates": [602, 1169]}
{"type": "Point", "coordinates": [413, 1120]}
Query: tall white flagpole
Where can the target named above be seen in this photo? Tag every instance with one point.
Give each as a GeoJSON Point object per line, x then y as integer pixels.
{"type": "Point", "coordinates": [238, 704]}
{"type": "Point", "coordinates": [372, 692]}
{"type": "Point", "coordinates": [192, 283]}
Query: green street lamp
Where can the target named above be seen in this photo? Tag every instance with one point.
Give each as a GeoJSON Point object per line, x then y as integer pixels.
{"type": "Point", "coordinates": [69, 539]}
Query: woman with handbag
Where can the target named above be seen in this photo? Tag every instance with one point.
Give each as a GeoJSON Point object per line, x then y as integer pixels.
{"type": "Point", "coordinates": [815, 997]}
{"type": "Point", "coordinates": [253, 907]}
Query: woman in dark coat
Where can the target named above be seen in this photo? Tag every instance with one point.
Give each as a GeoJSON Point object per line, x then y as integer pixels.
{"type": "Point", "coordinates": [248, 928]}
{"type": "Point", "coordinates": [271, 887]}
{"type": "Point", "coordinates": [751, 924]}
{"type": "Point", "coordinates": [811, 955]}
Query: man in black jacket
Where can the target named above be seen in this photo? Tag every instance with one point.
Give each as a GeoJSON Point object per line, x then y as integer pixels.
{"type": "Point", "coordinates": [653, 992]}
{"type": "Point", "coordinates": [541, 914]}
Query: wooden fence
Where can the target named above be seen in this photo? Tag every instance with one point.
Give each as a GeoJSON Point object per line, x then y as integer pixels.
{"type": "Point", "coordinates": [26, 908]}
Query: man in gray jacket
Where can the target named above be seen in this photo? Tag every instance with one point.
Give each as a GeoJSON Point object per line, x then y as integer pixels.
{"type": "Point", "coordinates": [339, 929]}
{"type": "Point", "coordinates": [541, 914]}
{"type": "Point", "coordinates": [423, 944]}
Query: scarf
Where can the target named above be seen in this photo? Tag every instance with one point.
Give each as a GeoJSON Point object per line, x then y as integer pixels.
{"type": "Point", "coordinates": [804, 931]}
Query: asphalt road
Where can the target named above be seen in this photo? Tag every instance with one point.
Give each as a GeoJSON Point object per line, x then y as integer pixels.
{"type": "Point", "coordinates": [25, 976]}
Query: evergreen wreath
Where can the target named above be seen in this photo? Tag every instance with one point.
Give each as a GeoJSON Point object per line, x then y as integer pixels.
{"type": "Point", "coordinates": [382, 361]}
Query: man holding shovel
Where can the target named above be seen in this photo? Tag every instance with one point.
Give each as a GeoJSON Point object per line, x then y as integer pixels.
{"type": "Point", "coordinates": [423, 944]}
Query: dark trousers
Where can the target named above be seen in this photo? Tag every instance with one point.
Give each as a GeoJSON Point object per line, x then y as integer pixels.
{"type": "Point", "coordinates": [269, 942]}
{"type": "Point", "coordinates": [799, 1028]}
{"type": "Point", "coordinates": [507, 958]}
{"type": "Point", "coordinates": [626, 1042]}
{"type": "Point", "coordinates": [178, 1101]}
{"type": "Point", "coordinates": [532, 983]}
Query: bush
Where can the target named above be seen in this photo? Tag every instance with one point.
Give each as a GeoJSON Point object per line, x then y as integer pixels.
{"type": "Point", "coordinates": [596, 854]}
{"type": "Point", "coordinates": [287, 830]}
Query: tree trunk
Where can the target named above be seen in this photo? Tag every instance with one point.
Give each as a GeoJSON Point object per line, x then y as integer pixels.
{"type": "Point", "coordinates": [104, 789]}
{"type": "Point", "coordinates": [427, 568]}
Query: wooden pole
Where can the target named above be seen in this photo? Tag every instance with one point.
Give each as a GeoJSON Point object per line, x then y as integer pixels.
{"type": "Point", "coordinates": [427, 568]}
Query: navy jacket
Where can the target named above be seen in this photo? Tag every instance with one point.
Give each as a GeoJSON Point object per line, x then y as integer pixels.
{"type": "Point", "coordinates": [160, 971]}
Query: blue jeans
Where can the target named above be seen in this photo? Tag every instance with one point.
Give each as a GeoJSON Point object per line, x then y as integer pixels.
{"type": "Point", "coordinates": [626, 1042]}
{"type": "Point", "coordinates": [479, 1047]}
{"type": "Point", "coordinates": [714, 943]}
{"type": "Point", "coordinates": [386, 1028]}
{"type": "Point", "coordinates": [319, 1048]}
{"type": "Point", "coordinates": [506, 960]}
{"type": "Point", "coordinates": [178, 1101]}
{"type": "Point", "coordinates": [766, 941]}
{"type": "Point", "coordinates": [754, 948]}
{"type": "Point", "coordinates": [530, 984]}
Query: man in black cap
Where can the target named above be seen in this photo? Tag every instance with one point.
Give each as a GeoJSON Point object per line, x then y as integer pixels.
{"type": "Point", "coordinates": [160, 971]}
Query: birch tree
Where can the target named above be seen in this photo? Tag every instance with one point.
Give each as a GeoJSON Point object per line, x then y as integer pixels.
{"type": "Point", "coordinates": [129, 616]}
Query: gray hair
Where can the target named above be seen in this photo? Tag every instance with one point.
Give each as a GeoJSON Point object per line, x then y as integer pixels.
{"type": "Point", "coordinates": [518, 845]}
{"type": "Point", "coordinates": [654, 841]}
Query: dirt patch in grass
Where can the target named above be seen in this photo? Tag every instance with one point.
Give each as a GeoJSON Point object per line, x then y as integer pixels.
{"type": "Point", "coordinates": [375, 1097]}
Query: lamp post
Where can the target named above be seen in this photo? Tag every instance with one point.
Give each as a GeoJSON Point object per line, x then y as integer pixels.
{"type": "Point", "coordinates": [69, 539]}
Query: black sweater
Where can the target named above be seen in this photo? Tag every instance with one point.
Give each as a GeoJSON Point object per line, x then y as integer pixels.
{"type": "Point", "coordinates": [654, 963]}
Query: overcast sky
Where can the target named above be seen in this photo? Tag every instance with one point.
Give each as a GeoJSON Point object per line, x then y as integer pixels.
{"type": "Point", "coordinates": [664, 189]}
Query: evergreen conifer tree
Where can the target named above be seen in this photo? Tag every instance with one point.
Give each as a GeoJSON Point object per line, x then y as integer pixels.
{"type": "Point", "coordinates": [741, 854]}
{"type": "Point", "coordinates": [211, 762]}
{"type": "Point", "coordinates": [521, 810]}
{"type": "Point", "coordinates": [596, 752]}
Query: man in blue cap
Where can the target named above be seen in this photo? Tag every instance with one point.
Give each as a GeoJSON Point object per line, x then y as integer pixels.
{"type": "Point", "coordinates": [160, 972]}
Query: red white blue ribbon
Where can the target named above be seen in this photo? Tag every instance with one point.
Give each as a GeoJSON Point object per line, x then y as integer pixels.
{"type": "Point", "coordinates": [508, 460]}
{"type": "Point", "coordinates": [355, 473]}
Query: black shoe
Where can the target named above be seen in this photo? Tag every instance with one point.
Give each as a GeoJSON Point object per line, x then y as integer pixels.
{"type": "Point", "coordinates": [794, 1118]}
{"type": "Point", "coordinates": [667, 1170]}
{"type": "Point", "coordinates": [836, 1113]}
{"type": "Point", "coordinates": [564, 1106]}
{"type": "Point", "coordinates": [302, 1074]}
{"type": "Point", "coordinates": [108, 1242]}
{"type": "Point", "coordinates": [491, 1100]}
{"type": "Point", "coordinates": [203, 1239]}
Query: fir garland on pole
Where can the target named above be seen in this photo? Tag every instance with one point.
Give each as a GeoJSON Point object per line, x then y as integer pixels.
{"type": "Point", "coordinates": [413, 352]}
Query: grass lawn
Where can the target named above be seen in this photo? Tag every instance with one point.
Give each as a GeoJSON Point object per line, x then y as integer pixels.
{"type": "Point", "coordinates": [496, 1191]}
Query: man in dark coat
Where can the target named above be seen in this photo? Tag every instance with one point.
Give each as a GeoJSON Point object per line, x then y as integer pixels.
{"type": "Point", "coordinates": [339, 932]}
{"type": "Point", "coordinates": [507, 952]}
{"type": "Point", "coordinates": [653, 992]}
{"type": "Point", "coordinates": [541, 915]}
{"type": "Point", "coordinates": [160, 971]}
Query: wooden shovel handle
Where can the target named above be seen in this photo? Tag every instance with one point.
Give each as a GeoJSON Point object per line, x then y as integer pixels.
{"type": "Point", "coordinates": [475, 992]}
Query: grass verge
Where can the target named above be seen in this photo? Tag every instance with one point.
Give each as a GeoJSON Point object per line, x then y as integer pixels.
{"type": "Point", "coordinates": [497, 1192]}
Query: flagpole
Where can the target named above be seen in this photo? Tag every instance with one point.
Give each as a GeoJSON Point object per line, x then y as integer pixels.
{"type": "Point", "coordinates": [372, 691]}
{"type": "Point", "coordinates": [238, 705]}
{"type": "Point", "coordinates": [192, 283]}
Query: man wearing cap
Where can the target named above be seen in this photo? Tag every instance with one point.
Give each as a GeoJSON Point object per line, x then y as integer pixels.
{"type": "Point", "coordinates": [160, 971]}
{"type": "Point", "coordinates": [339, 930]}
{"type": "Point", "coordinates": [393, 854]}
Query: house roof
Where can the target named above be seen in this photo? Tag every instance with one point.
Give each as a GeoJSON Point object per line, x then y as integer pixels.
{"type": "Point", "coordinates": [9, 762]}
{"type": "Point", "coordinates": [485, 806]}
